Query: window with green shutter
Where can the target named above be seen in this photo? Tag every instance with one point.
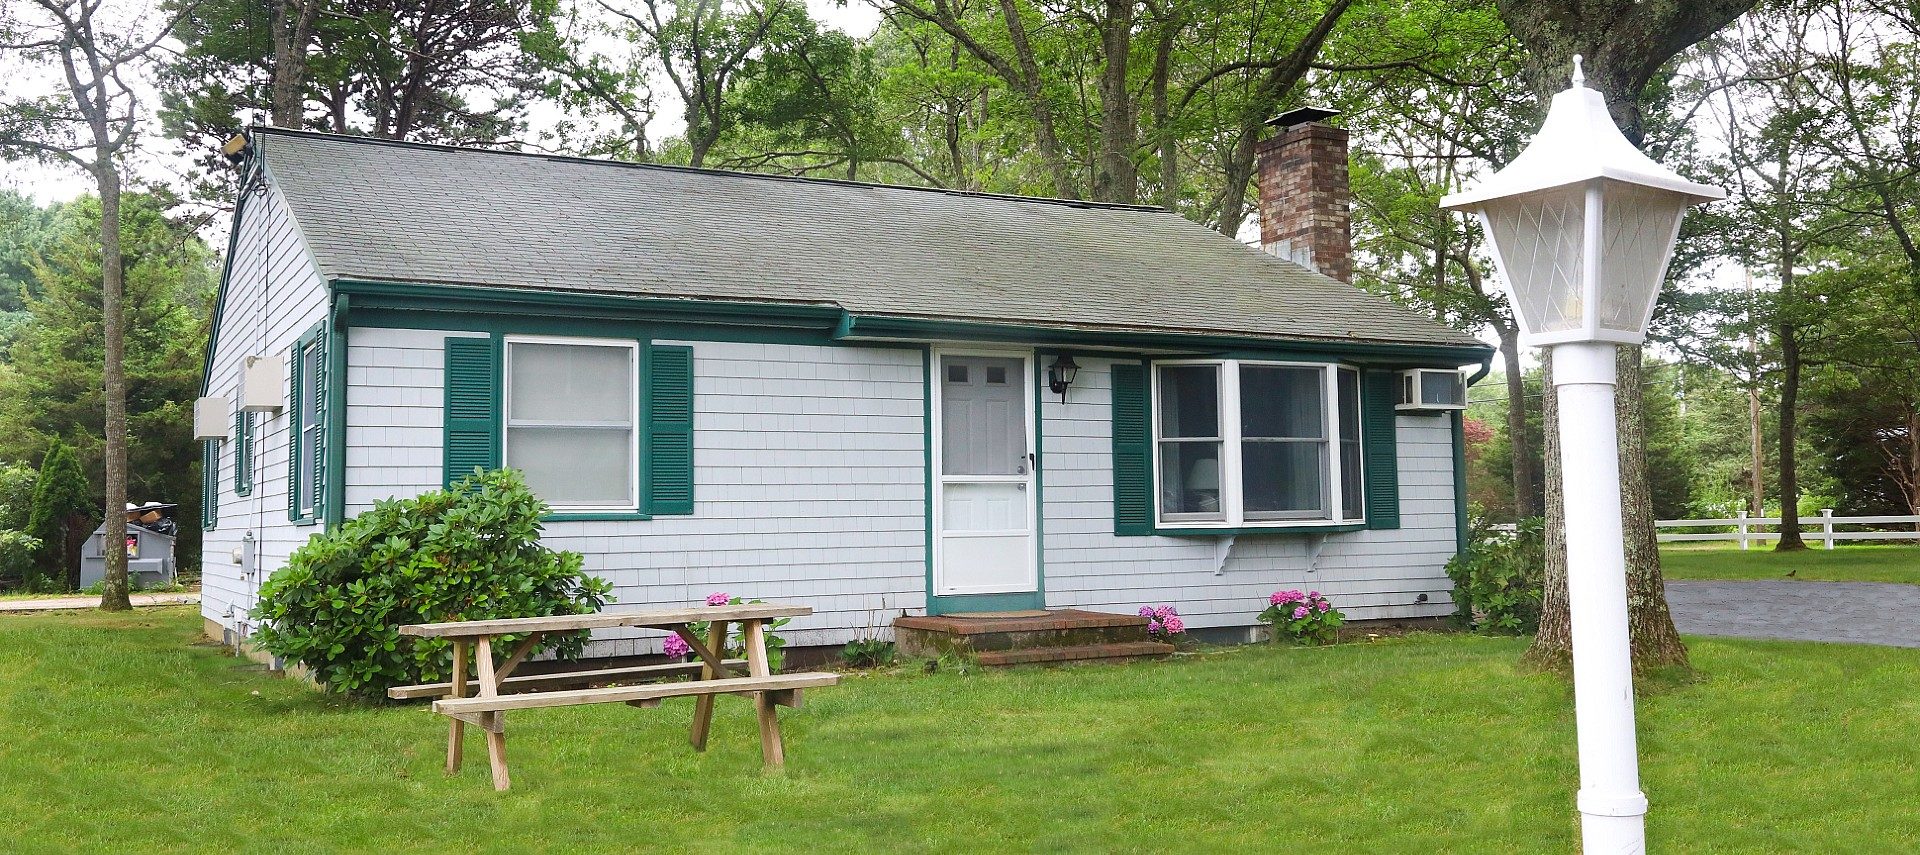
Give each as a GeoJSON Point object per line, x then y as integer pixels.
{"type": "Point", "coordinates": [1230, 445]}
{"type": "Point", "coordinates": [307, 420]}
{"type": "Point", "coordinates": [242, 453]}
{"type": "Point", "coordinates": [599, 427]}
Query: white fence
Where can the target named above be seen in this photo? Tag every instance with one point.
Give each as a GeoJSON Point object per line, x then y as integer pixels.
{"type": "Point", "coordinates": [1821, 528]}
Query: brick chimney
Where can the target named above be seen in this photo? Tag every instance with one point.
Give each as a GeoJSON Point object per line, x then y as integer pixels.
{"type": "Point", "coordinates": [1303, 193]}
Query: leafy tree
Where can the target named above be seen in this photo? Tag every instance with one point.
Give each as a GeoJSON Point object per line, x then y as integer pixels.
{"type": "Point", "coordinates": [90, 125]}
{"type": "Point", "coordinates": [1627, 44]}
{"type": "Point", "coordinates": [64, 508]}
{"type": "Point", "coordinates": [52, 389]}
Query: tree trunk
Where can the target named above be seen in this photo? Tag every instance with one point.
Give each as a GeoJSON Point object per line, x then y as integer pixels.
{"type": "Point", "coordinates": [1034, 87]}
{"type": "Point", "coordinates": [1116, 179]}
{"type": "Point", "coordinates": [1656, 643]}
{"type": "Point", "coordinates": [292, 32]}
{"type": "Point", "coordinates": [1790, 540]}
{"type": "Point", "coordinates": [1163, 117]}
{"type": "Point", "coordinates": [114, 373]}
{"type": "Point", "coordinates": [1517, 439]}
{"type": "Point", "coordinates": [1552, 646]}
{"type": "Point", "coordinates": [1757, 480]}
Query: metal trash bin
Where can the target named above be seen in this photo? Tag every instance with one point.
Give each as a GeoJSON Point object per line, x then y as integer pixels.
{"type": "Point", "coordinates": [150, 564]}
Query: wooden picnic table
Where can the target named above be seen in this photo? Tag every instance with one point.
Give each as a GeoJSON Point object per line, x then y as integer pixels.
{"type": "Point", "coordinates": [499, 691]}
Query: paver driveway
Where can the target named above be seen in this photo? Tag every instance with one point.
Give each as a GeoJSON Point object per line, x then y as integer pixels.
{"type": "Point", "coordinates": [1851, 612]}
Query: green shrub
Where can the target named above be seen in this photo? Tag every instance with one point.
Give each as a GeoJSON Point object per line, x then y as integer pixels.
{"type": "Point", "coordinates": [868, 653]}
{"type": "Point", "coordinates": [1498, 580]}
{"type": "Point", "coordinates": [64, 513]}
{"type": "Point", "coordinates": [17, 549]}
{"type": "Point", "coordinates": [471, 552]}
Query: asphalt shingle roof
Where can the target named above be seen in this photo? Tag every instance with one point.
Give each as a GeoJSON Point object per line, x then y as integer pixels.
{"type": "Point", "coordinates": [387, 211]}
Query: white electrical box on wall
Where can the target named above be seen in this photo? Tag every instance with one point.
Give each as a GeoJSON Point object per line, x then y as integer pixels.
{"type": "Point", "coordinates": [263, 385]}
{"type": "Point", "coordinates": [1431, 390]}
{"type": "Point", "coordinates": [211, 418]}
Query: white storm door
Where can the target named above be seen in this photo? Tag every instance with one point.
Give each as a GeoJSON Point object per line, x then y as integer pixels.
{"type": "Point", "coordinates": [983, 464]}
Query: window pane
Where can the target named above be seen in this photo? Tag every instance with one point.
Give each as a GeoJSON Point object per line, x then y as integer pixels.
{"type": "Point", "coordinates": [1349, 404]}
{"type": "Point", "coordinates": [1282, 402]}
{"type": "Point", "coordinates": [1190, 401]}
{"type": "Point", "coordinates": [575, 466]}
{"type": "Point", "coordinates": [571, 382]}
{"type": "Point", "coordinates": [1438, 387]}
{"type": "Point", "coordinates": [1190, 478]}
{"type": "Point", "coordinates": [1351, 491]}
{"type": "Point", "coordinates": [1283, 479]}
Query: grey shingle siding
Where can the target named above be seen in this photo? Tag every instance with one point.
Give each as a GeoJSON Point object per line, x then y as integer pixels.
{"type": "Point", "coordinates": [412, 213]}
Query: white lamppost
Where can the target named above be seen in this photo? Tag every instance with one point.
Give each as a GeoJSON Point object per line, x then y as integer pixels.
{"type": "Point", "coordinates": [1583, 226]}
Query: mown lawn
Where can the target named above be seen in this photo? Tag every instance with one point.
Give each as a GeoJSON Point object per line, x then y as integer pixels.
{"type": "Point", "coordinates": [1841, 564]}
{"type": "Point", "coordinates": [122, 735]}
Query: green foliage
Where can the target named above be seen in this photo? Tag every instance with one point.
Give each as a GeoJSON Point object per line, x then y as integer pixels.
{"type": "Point", "coordinates": [64, 512]}
{"type": "Point", "coordinates": [17, 552]}
{"type": "Point", "coordinates": [1302, 618]}
{"type": "Point", "coordinates": [1498, 580]}
{"type": "Point", "coordinates": [16, 494]}
{"type": "Point", "coordinates": [51, 386]}
{"type": "Point", "coordinates": [867, 653]}
{"type": "Point", "coordinates": [737, 641]}
{"type": "Point", "coordinates": [470, 552]}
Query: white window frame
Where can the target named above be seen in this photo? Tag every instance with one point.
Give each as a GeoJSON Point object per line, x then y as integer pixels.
{"type": "Point", "coordinates": [306, 444]}
{"type": "Point", "coordinates": [508, 422]}
{"type": "Point", "coordinates": [1232, 498]}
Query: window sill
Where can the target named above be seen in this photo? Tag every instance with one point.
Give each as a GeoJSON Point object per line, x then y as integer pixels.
{"type": "Point", "coordinates": [1225, 531]}
{"type": "Point", "coordinates": [596, 516]}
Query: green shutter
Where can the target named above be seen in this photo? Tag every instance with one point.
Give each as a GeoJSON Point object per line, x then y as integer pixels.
{"type": "Point", "coordinates": [294, 405]}
{"type": "Point", "coordinates": [1381, 449]}
{"type": "Point", "coordinates": [243, 453]}
{"type": "Point", "coordinates": [670, 430]}
{"type": "Point", "coordinates": [209, 484]}
{"type": "Point", "coordinates": [1132, 451]}
{"type": "Point", "coordinates": [472, 383]}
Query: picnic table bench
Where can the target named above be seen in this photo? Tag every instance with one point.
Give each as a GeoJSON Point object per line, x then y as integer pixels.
{"type": "Point", "coordinates": [497, 690]}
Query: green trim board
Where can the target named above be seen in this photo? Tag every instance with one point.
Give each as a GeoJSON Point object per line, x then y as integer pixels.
{"type": "Point", "coordinates": [1460, 533]}
{"type": "Point", "coordinates": [823, 323]}
{"type": "Point", "coordinates": [334, 433]}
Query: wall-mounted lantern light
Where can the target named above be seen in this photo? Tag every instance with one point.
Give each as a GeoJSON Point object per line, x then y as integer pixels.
{"type": "Point", "coordinates": [1061, 374]}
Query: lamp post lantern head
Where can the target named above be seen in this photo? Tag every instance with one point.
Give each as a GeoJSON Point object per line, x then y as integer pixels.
{"type": "Point", "coordinates": [1582, 225]}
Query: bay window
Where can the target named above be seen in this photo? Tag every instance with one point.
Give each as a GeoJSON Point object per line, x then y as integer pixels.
{"type": "Point", "coordinates": [1241, 443]}
{"type": "Point", "coordinates": [571, 420]}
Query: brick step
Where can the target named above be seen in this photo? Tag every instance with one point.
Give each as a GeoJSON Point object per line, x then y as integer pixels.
{"type": "Point", "coordinates": [933, 636]}
{"type": "Point", "coordinates": [1084, 653]}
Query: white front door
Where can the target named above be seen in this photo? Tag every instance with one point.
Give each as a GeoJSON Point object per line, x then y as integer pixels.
{"type": "Point", "coordinates": [984, 475]}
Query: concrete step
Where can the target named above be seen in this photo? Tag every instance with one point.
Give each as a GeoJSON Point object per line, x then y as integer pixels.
{"type": "Point", "coordinates": [1120, 652]}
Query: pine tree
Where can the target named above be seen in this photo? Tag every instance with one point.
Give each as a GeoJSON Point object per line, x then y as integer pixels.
{"type": "Point", "coordinates": [63, 513]}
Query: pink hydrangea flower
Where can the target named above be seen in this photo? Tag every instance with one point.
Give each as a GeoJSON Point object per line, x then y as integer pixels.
{"type": "Point", "coordinates": [1313, 595]}
{"type": "Point", "coordinates": [1281, 598]}
{"type": "Point", "coordinates": [1164, 612]}
{"type": "Point", "coordinates": [1146, 611]}
{"type": "Point", "coordinates": [676, 647]}
{"type": "Point", "coordinates": [718, 599]}
{"type": "Point", "coordinates": [1174, 625]}
{"type": "Point", "coordinates": [1322, 606]}
{"type": "Point", "coordinates": [1299, 612]}
{"type": "Point", "coordinates": [1155, 627]}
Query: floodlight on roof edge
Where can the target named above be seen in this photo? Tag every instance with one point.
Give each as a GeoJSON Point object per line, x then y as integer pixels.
{"type": "Point", "coordinates": [1583, 226]}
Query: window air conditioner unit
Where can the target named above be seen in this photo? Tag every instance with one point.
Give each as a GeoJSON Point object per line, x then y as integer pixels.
{"type": "Point", "coordinates": [210, 419]}
{"type": "Point", "coordinates": [263, 384]}
{"type": "Point", "coordinates": [1431, 390]}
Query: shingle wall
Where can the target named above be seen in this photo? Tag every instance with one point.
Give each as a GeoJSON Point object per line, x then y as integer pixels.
{"type": "Point", "coordinates": [274, 295]}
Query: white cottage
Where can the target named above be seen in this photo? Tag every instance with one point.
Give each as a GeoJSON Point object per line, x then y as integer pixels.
{"type": "Point", "coordinates": [873, 400]}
